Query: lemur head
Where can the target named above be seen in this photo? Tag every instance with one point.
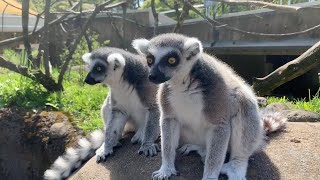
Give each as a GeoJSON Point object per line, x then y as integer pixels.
{"type": "Point", "coordinates": [168, 54]}
{"type": "Point", "coordinates": [104, 65]}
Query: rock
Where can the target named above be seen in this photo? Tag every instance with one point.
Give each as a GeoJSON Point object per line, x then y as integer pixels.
{"type": "Point", "coordinates": [303, 116]}
{"type": "Point", "coordinates": [262, 101]}
{"type": "Point", "coordinates": [58, 130]}
{"type": "Point", "coordinates": [292, 154]}
{"type": "Point", "coordinates": [279, 106]}
{"type": "Point", "coordinates": [27, 148]}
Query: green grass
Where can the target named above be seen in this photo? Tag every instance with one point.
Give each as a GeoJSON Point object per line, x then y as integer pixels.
{"type": "Point", "coordinates": [313, 103]}
{"type": "Point", "coordinates": [81, 101]}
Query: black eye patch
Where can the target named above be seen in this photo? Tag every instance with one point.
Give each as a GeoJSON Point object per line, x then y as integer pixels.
{"type": "Point", "coordinates": [166, 60]}
{"type": "Point", "coordinates": [150, 59]}
{"type": "Point", "coordinates": [99, 68]}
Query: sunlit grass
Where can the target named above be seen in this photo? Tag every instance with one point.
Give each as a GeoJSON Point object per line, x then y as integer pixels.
{"type": "Point", "coordinates": [312, 103]}
{"type": "Point", "coordinates": [81, 101]}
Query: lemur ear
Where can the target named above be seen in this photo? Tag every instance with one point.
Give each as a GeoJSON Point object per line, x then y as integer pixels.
{"type": "Point", "coordinates": [192, 47]}
{"type": "Point", "coordinates": [117, 60]}
{"type": "Point", "coordinates": [86, 58]}
{"type": "Point", "coordinates": [141, 45]}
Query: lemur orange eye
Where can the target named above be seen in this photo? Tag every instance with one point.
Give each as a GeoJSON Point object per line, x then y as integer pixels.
{"type": "Point", "coordinates": [149, 61]}
{"type": "Point", "coordinates": [172, 60]}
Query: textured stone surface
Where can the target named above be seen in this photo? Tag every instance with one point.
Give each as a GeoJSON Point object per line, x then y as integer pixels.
{"type": "Point", "coordinates": [280, 106]}
{"type": "Point", "coordinates": [58, 130]}
{"type": "Point", "coordinates": [303, 116]}
{"type": "Point", "coordinates": [289, 155]}
{"type": "Point", "coordinates": [27, 147]}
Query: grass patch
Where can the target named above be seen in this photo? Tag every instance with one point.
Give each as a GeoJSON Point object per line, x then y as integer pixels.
{"type": "Point", "coordinates": [81, 101]}
{"type": "Point", "coordinates": [313, 103]}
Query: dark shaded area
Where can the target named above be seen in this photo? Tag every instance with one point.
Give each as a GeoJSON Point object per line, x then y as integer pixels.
{"type": "Point", "coordinates": [298, 87]}
{"type": "Point", "coordinates": [28, 146]}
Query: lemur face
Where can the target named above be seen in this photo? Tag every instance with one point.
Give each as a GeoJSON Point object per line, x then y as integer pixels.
{"type": "Point", "coordinates": [167, 54]}
{"type": "Point", "coordinates": [102, 67]}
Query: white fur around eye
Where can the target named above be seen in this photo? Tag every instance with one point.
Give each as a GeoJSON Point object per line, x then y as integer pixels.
{"type": "Point", "coordinates": [116, 58]}
{"type": "Point", "coordinates": [86, 58]}
{"type": "Point", "coordinates": [140, 45]}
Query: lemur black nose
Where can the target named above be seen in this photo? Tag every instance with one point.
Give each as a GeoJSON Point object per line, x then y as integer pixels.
{"type": "Point", "coordinates": [152, 77]}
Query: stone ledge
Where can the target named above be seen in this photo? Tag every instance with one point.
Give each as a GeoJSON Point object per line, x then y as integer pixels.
{"type": "Point", "coordinates": [292, 154]}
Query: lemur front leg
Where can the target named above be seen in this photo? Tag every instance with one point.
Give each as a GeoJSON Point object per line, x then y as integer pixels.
{"type": "Point", "coordinates": [217, 144]}
{"type": "Point", "coordinates": [151, 133]}
{"type": "Point", "coordinates": [113, 132]}
{"type": "Point", "coordinates": [170, 134]}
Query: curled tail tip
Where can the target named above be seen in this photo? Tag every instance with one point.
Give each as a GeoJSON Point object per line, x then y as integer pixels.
{"type": "Point", "coordinates": [73, 157]}
{"type": "Point", "coordinates": [273, 121]}
{"type": "Point", "coordinates": [51, 175]}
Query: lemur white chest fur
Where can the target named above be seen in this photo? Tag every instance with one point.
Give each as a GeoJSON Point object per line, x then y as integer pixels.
{"type": "Point", "coordinates": [127, 100]}
{"type": "Point", "coordinates": [188, 107]}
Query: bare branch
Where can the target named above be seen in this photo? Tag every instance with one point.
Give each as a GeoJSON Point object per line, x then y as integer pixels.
{"type": "Point", "coordinates": [302, 64]}
{"type": "Point", "coordinates": [15, 40]}
{"type": "Point", "coordinates": [46, 56]}
{"type": "Point", "coordinates": [226, 26]}
{"type": "Point", "coordinates": [262, 4]}
{"type": "Point", "coordinates": [25, 23]}
{"type": "Point", "coordinates": [37, 75]}
{"type": "Point", "coordinates": [155, 17]}
{"type": "Point", "coordinates": [183, 15]}
{"type": "Point", "coordinates": [79, 37]}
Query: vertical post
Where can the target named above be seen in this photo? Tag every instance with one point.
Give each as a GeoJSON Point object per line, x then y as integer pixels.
{"type": "Point", "coordinates": [25, 30]}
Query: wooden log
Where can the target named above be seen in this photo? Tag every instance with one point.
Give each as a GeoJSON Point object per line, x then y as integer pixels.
{"type": "Point", "coordinates": [302, 64]}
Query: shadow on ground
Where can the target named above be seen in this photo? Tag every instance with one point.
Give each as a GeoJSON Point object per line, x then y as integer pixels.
{"type": "Point", "coordinates": [127, 164]}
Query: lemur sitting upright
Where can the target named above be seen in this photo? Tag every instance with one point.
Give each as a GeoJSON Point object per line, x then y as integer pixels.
{"type": "Point", "coordinates": [131, 103]}
{"type": "Point", "coordinates": [204, 106]}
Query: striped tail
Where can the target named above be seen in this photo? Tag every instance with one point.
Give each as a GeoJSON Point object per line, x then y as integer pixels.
{"type": "Point", "coordinates": [73, 157]}
{"type": "Point", "coordinates": [273, 120]}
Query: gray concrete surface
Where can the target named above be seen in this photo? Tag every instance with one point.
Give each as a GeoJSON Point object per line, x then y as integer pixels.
{"type": "Point", "coordinates": [292, 154]}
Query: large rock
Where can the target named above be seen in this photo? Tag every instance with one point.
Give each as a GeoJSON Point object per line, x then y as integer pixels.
{"type": "Point", "coordinates": [279, 106]}
{"type": "Point", "coordinates": [30, 142]}
{"type": "Point", "coordinates": [292, 154]}
{"type": "Point", "coordinates": [303, 116]}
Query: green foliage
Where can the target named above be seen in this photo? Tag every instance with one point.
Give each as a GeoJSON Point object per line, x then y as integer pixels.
{"type": "Point", "coordinates": [81, 101]}
{"type": "Point", "coordinates": [11, 55]}
{"type": "Point", "coordinates": [313, 103]}
{"type": "Point", "coordinates": [16, 90]}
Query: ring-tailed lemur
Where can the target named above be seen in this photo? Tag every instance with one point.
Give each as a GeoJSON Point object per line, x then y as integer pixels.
{"type": "Point", "coordinates": [131, 101]}
{"type": "Point", "coordinates": [204, 105]}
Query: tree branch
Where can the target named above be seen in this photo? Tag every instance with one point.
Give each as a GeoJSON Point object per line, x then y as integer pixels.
{"type": "Point", "coordinates": [218, 24]}
{"type": "Point", "coordinates": [304, 63]}
{"type": "Point", "coordinates": [183, 15]}
{"type": "Point", "coordinates": [11, 41]}
{"type": "Point", "coordinates": [25, 23]}
{"type": "Point", "coordinates": [37, 75]}
{"type": "Point", "coordinates": [79, 37]}
{"type": "Point", "coordinates": [262, 4]}
{"type": "Point", "coordinates": [155, 17]}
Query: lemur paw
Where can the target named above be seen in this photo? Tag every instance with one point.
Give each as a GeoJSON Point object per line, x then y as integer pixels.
{"type": "Point", "coordinates": [102, 153]}
{"type": "Point", "coordinates": [187, 148]}
{"type": "Point", "coordinates": [149, 149]}
{"type": "Point", "coordinates": [164, 173]}
{"type": "Point", "coordinates": [136, 138]}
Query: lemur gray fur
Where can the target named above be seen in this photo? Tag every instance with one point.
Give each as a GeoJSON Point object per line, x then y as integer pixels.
{"type": "Point", "coordinates": [131, 103]}
{"type": "Point", "coordinates": [204, 106]}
